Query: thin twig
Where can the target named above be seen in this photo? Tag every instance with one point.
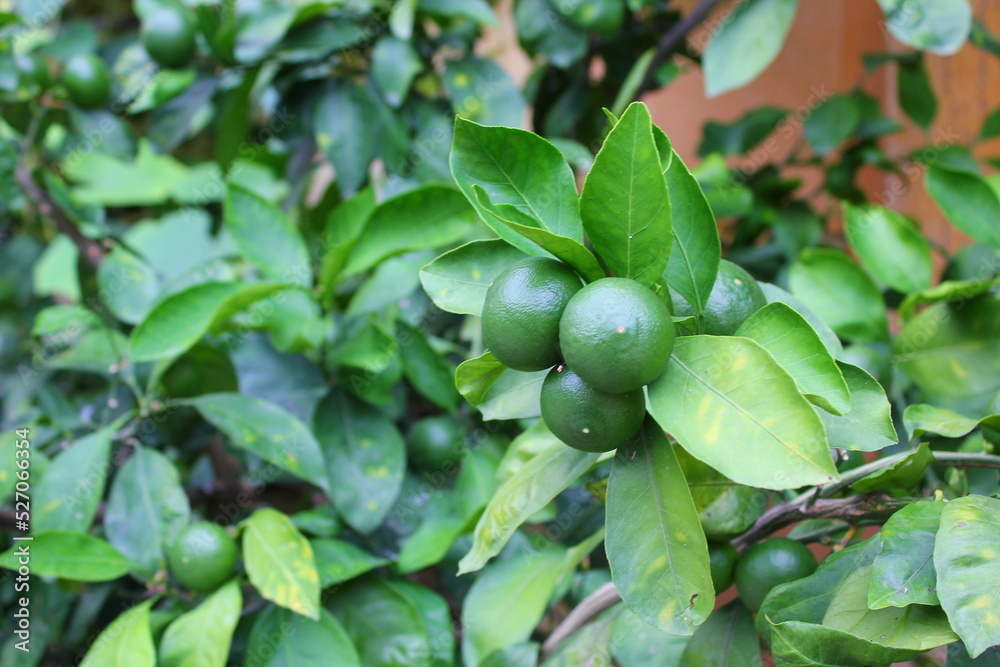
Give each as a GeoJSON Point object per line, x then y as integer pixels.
{"type": "Point", "coordinates": [590, 607]}
{"type": "Point", "coordinates": [671, 42]}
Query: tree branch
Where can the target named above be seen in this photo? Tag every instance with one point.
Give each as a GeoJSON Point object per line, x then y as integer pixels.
{"type": "Point", "coordinates": [91, 250]}
{"type": "Point", "coordinates": [590, 607]}
{"type": "Point", "coordinates": [671, 42]}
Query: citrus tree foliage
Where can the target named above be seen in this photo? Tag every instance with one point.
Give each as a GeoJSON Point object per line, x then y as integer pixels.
{"type": "Point", "coordinates": [246, 248]}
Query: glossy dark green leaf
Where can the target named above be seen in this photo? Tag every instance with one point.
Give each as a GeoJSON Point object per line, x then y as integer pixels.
{"type": "Point", "coordinates": [967, 200]}
{"type": "Point", "coordinates": [365, 453]}
{"type": "Point", "coordinates": [719, 390]}
{"type": "Point", "coordinates": [959, 657]}
{"type": "Point", "coordinates": [736, 53]}
{"type": "Point", "coordinates": [344, 131]}
{"type": "Point", "coordinates": [743, 134]}
{"type": "Point", "coordinates": [903, 572]}
{"type": "Point", "coordinates": [916, 94]}
{"type": "Point", "coordinates": [725, 508]}
{"type": "Point", "coordinates": [430, 542]}
{"type": "Point", "coordinates": [890, 246]}
{"type": "Point", "coordinates": [458, 280]}
{"type": "Point", "coordinates": [436, 616]}
{"type": "Point", "coordinates": [482, 91]}
{"type": "Point", "coordinates": [281, 638]}
{"type": "Point", "coordinates": [941, 26]}
{"type": "Point", "coordinates": [73, 556]}
{"type": "Point", "coordinates": [968, 569]}
{"type": "Point", "coordinates": [267, 430]}
{"type": "Point", "coordinates": [426, 370]}
{"type": "Point", "coordinates": [338, 561]}
{"type": "Point", "coordinates": [831, 123]}
{"type": "Point", "coordinates": [266, 238]}
{"type": "Point", "coordinates": [280, 562]}
{"type": "Point", "coordinates": [395, 63]}
{"type": "Point", "coordinates": [478, 11]}
{"type": "Point", "coordinates": [625, 205]}
{"type": "Point", "coordinates": [67, 496]}
{"type": "Point", "coordinates": [655, 544]}
{"type": "Point", "coordinates": [202, 636]}
{"type": "Point", "coordinates": [126, 642]}
{"type": "Point", "coordinates": [867, 426]}
{"type": "Point", "coordinates": [726, 639]}
{"type": "Point", "coordinates": [796, 644]}
{"type": "Point", "coordinates": [146, 509]}
{"type": "Point", "coordinates": [474, 377]}
{"type": "Point", "coordinates": [904, 473]}
{"type": "Point", "coordinates": [343, 227]}
{"type": "Point", "coordinates": [841, 293]}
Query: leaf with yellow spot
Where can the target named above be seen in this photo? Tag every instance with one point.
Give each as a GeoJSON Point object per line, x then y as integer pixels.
{"type": "Point", "coordinates": [280, 563]}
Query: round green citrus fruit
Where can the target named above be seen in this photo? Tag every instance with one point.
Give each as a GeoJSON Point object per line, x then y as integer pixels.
{"type": "Point", "coordinates": [168, 35]}
{"type": "Point", "coordinates": [722, 561]}
{"type": "Point", "coordinates": [849, 460]}
{"type": "Point", "coordinates": [617, 335]}
{"type": "Point", "coordinates": [435, 442]}
{"type": "Point", "coordinates": [766, 564]}
{"type": "Point", "coordinates": [32, 71]}
{"type": "Point", "coordinates": [734, 298]}
{"type": "Point", "coordinates": [87, 81]}
{"type": "Point", "coordinates": [587, 418]}
{"type": "Point", "coordinates": [203, 556]}
{"type": "Point", "coordinates": [522, 311]}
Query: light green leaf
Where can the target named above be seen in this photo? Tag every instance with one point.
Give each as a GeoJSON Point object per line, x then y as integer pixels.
{"type": "Point", "coordinates": [338, 561]}
{"type": "Point", "coordinates": [482, 91]}
{"type": "Point", "coordinates": [343, 227]}
{"type": "Point", "coordinates": [202, 636]}
{"type": "Point", "coordinates": [458, 280]}
{"type": "Point", "coordinates": [126, 642]}
{"type": "Point", "coordinates": [796, 644]}
{"type": "Point", "coordinates": [477, 11]}
{"type": "Point", "coordinates": [68, 494]}
{"type": "Point", "coordinates": [514, 395]}
{"type": "Point", "coordinates": [775, 294]}
{"type": "Point", "coordinates": [108, 180]}
{"type": "Point", "coordinates": [725, 508]}
{"type": "Point", "coordinates": [281, 638]}
{"type": "Point", "coordinates": [890, 246]}
{"type": "Point", "coordinates": [903, 474]}
{"type": "Point", "coordinates": [384, 623]}
{"type": "Point", "coordinates": [831, 123]}
{"type": "Point", "coordinates": [922, 418]}
{"type": "Point", "coordinates": [636, 643]}
{"type": "Point", "coordinates": [474, 377]}
{"type": "Point", "coordinates": [394, 65]}
{"type": "Point", "coordinates": [590, 645]}
{"type": "Point", "coordinates": [968, 569]}
{"type": "Point", "coordinates": [720, 390]}
{"type": "Point", "coordinates": [625, 205]}
{"type": "Point", "coordinates": [967, 200]}
{"type": "Point", "coordinates": [867, 426]}
{"type": "Point", "coordinates": [266, 238]}
{"type": "Point", "coordinates": [938, 26]}
{"type": "Point", "coordinates": [797, 347]}
{"type": "Point", "coordinates": [267, 430]}
{"type": "Point", "coordinates": [365, 454]}
{"type": "Point", "coordinates": [746, 43]}
{"type": "Point", "coordinates": [726, 639]}
{"type": "Point", "coordinates": [947, 290]}
{"type": "Point", "coordinates": [280, 562]}
{"type": "Point", "coordinates": [903, 572]}
{"type": "Point", "coordinates": [67, 555]}
{"type": "Point", "coordinates": [656, 547]}
{"type": "Point", "coordinates": [342, 124]}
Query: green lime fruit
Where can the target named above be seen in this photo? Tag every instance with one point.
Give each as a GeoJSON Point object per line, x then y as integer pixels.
{"type": "Point", "coordinates": [169, 36]}
{"type": "Point", "coordinates": [734, 298]}
{"type": "Point", "coordinates": [766, 564]}
{"type": "Point", "coordinates": [522, 310]}
{"type": "Point", "coordinates": [435, 442]}
{"type": "Point", "coordinates": [587, 418]}
{"type": "Point", "coordinates": [848, 460]}
{"type": "Point", "coordinates": [87, 81]}
{"type": "Point", "coordinates": [617, 335]}
{"type": "Point", "coordinates": [722, 559]}
{"type": "Point", "coordinates": [203, 557]}
{"type": "Point", "coordinates": [33, 71]}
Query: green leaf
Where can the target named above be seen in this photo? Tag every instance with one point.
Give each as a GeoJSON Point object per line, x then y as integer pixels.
{"type": "Point", "coordinates": [482, 91]}
{"type": "Point", "coordinates": [430, 542]}
{"type": "Point", "coordinates": [365, 453]}
{"type": "Point", "coordinates": [280, 562]}
{"type": "Point", "coordinates": [458, 280]}
{"type": "Point", "coordinates": [281, 638]}
{"type": "Point", "coordinates": [796, 644]}
{"type": "Point", "coordinates": [867, 426]}
{"type": "Point", "coordinates": [344, 132]}
{"type": "Point", "coordinates": [343, 227]}
{"type": "Point", "coordinates": [590, 645]}
{"type": "Point", "coordinates": [474, 377]}
{"type": "Point", "coordinates": [477, 11]}
{"type": "Point", "coordinates": [655, 545]}
{"type": "Point", "coordinates": [514, 395]}
{"type": "Point", "coordinates": [724, 507]}
{"type": "Point", "coordinates": [384, 624]}
{"type": "Point", "coordinates": [726, 639]}
{"type": "Point", "coordinates": [202, 636]}
{"type": "Point", "coordinates": [394, 65]}
{"type": "Point", "coordinates": [740, 136]}
{"type": "Point", "coordinates": [746, 43]}
{"type": "Point", "coordinates": [568, 250]}
{"type": "Point", "coordinates": [428, 217]}
{"type": "Point", "coordinates": [436, 616]}
{"type": "Point", "coordinates": [636, 643]}
{"type": "Point", "coordinates": [922, 418]}
{"type": "Point", "coordinates": [695, 252]}
{"type": "Point", "coordinates": [954, 291]}
{"type": "Point", "coordinates": [953, 349]}
{"type": "Point", "coordinates": [939, 26]}
{"type": "Point", "coordinates": [266, 238]}
{"type": "Point", "coordinates": [775, 294]}
{"type": "Point", "coordinates": [718, 390]}
{"type": "Point", "coordinates": [968, 569]}
{"type": "Point", "coordinates": [967, 200]}
{"type": "Point", "coordinates": [506, 601]}
{"type": "Point", "coordinates": [338, 561]}
{"type": "Point", "coordinates": [515, 655]}
{"type": "Point", "coordinates": [69, 493]}
{"type": "Point", "coordinates": [68, 555]}
{"type": "Point", "coordinates": [549, 471]}
{"type": "Point", "coordinates": [840, 292]}
{"type": "Point", "coordinates": [126, 642]}
{"type": "Point", "coordinates": [625, 205]}
{"type": "Point", "coordinates": [110, 181]}
{"type": "Point", "coordinates": [916, 94]}
{"type": "Point", "coordinates": [426, 370]}
{"type": "Point", "coordinates": [903, 572]}
{"type": "Point", "coordinates": [904, 473]}
{"type": "Point", "coordinates": [183, 318]}
{"type": "Point", "coordinates": [797, 347]}
{"type": "Point", "coordinates": [916, 627]}
{"type": "Point", "coordinates": [267, 430]}
{"type": "Point", "coordinates": [831, 123]}
{"type": "Point", "coordinates": [97, 351]}
{"type": "Point", "coordinates": [959, 657]}
{"type": "Point", "coordinates": [991, 126]}
{"type": "Point", "coordinates": [518, 168]}
{"type": "Point", "coordinates": [890, 246]}
{"type": "Point", "coordinates": [146, 509]}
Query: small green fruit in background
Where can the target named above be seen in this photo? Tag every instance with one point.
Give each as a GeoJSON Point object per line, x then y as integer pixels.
{"type": "Point", "coordinates": [435, 442]}
{"type": "Point", "coordinates": [522, 310]}
{"type": "Point", "coordinates": [586, 418]}
{"type": "Point", "coordinates": [722, 562]}
{"type": "Point", "coordinates": [33, 71]}
{"type": "Point", "coordinates": [87, 81]}
{"type": "Point", "coordinates": [617, 335]}
{"type": "Point", "coordinates": [734, 298]}
{"type": "Point", "coordinates": [767, 564]}
{"type": "Point", "coordinates": [203, 557]}
{"type": "Point", "coordinates": [168, 35]}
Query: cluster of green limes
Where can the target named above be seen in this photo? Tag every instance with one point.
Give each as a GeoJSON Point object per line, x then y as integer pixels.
{"type": "Point", "coordinates": [763, 566]}
{"type": "Point", "coordinates": [603, 342]}
{"type": "Point", "coordinates": [168, 35]}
